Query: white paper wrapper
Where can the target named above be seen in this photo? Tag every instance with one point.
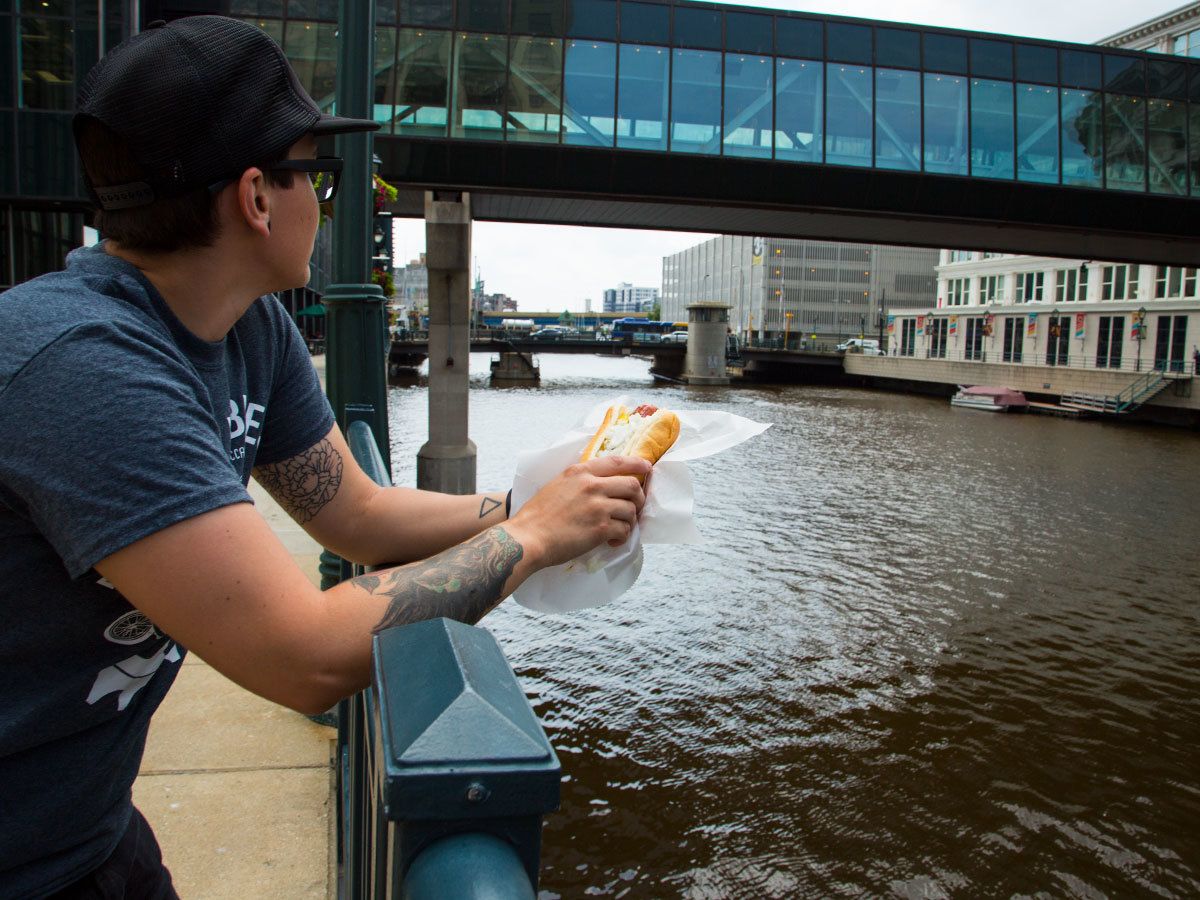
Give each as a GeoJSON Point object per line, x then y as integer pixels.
{"type": "Point", "coordinates": [606, 573]}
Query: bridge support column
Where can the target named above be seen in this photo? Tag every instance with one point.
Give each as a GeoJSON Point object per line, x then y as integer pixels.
{"type": "Point", "coordinates": [446, 462]}
{"type": "Point", "coordinates": [515, 367]}
{"type": "Point", "coordinates": [708, 324]}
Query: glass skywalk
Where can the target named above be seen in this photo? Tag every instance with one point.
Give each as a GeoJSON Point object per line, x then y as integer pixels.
{"type": "Point", "coordinates": [688, 78]}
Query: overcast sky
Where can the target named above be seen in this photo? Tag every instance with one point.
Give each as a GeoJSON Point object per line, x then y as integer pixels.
{"type": "Point", "coordinates": [554, 267]}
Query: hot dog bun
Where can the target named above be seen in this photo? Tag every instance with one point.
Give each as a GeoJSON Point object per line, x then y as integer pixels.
{"type": "Point", "coordinates": [645, 432]}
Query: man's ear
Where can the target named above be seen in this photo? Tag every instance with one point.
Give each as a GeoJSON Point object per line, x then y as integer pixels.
{"type": "Point", "coordinates": [253, 203]}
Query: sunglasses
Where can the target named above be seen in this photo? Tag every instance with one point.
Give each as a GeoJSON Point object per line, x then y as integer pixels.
{"type": "Point", "coordinates": [324, 172]}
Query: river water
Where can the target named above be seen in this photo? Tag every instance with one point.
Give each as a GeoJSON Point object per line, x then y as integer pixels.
{"type": "Point", "coordinates": [925, 652]}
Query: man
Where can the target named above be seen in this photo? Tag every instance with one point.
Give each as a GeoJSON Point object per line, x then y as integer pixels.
{"type": "Point", "coordinates": [139, 389]}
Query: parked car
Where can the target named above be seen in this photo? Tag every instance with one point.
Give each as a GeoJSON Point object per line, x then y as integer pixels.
{"type": "Point", "coordinates": [675, 337]}
{"type": "Point", "coordinates": [865, 346]}
{"type": "Point", "coordinates": [546, 334]}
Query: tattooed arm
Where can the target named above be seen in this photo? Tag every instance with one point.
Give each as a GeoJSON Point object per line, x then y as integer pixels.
{"type": "Point", "coordinates": [326, 492]}
{"type": "Point", "coordinates": [224, 586]}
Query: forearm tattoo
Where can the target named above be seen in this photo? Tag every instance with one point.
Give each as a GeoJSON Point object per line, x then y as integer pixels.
{"type": "Point", "coordinates": [489, 505]}
{"type": "Point", "coordinates": [462, 583]}
{"type": "Point", "coordinates": [306, 483]}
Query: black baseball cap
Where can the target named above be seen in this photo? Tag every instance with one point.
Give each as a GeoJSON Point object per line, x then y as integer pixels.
{"type": "Point", "coordinates": [199, 101]}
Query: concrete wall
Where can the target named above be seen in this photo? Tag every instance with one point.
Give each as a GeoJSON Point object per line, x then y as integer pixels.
{"type": "Point", "coordinates": [1029, 379]}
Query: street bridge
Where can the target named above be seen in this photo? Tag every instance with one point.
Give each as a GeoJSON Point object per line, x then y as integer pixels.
{"type": "Point", "coordinates": [730, 119]}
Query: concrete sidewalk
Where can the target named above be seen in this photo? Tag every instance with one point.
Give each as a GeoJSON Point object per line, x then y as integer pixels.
{"type": "Point", "coordinates": [239, 790]}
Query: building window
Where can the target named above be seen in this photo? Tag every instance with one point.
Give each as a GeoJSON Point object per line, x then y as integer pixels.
{"type": "Point", "coordinates": [1172, 282]}
{"type": "Point", "coordinates": [47, 63]}
{"type": "Point", "coordinates": [958, 292]}
{"type": "Point", "coordinates": [1071, 285]}
{"type": "Point", "coordinates": [961, 255]}
{"type": "Point", "coordinates": [975, 332]}
{"type": "Point", "coordinates": [992, 255]}
{"type": "Point", "coordinates": [1014, 338]}
{"type": "Point", "coordinates": [1188, 44]}
{"type": "Point", "coordinates": [1120, 282]}
{"type": "Point", "coordinates": [1110, 342]}
{"type": "Point", "coordinates": [1030, 287]}
{"type": "Point", "coordinates": [1058, 340]}
{"type": "Point", "coordinates": [937, 338]}
{"type": "Point", "coordinates": [908, 337]}
{"type": "Point", "coordinates": [991, 289]}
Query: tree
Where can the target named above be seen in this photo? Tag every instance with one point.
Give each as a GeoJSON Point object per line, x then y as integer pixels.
{"type": "Point", "coordinates": [656, 311]}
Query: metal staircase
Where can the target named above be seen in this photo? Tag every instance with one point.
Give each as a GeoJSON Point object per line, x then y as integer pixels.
{"type": "Point", "coordinates": [1130, 397]}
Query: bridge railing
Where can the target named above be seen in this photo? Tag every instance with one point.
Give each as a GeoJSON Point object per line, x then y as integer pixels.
{"type": "Point", "coordinates": [443, 771]}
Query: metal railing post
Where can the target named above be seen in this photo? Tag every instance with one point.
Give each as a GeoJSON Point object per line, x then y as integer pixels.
{"type": "Point", "coordinates": [462, 766]}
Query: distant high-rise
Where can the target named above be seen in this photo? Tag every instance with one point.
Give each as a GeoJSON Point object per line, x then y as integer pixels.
{"type": "Point", "coordinates": [627, 298]}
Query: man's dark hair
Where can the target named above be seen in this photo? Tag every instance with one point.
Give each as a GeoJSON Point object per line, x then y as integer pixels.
{"type": "Point", "coordinates": [169, 223]}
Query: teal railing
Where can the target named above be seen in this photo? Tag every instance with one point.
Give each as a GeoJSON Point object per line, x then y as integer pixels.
{"type": "Point", "coordinates": [444, 774]}
{"type": "Point", "coordinates": [1142, 388]}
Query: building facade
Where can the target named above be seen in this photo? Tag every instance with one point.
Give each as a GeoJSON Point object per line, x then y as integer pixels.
{"type": "Point", "coordinates": [794, 289]}
{"type": "Point", "coordinates": [626, 298]}
{"type": "Point", "coordinates": [412, 286]}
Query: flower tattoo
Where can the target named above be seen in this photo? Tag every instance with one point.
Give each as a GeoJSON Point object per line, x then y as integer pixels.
{"type": "Point", "coordinates": [305, 483]}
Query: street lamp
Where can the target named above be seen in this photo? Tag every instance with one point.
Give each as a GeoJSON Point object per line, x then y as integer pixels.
{"type": "Point", "coordinates": [787, 329]}
{"type": "Point", "coordinates": [1140, 334]}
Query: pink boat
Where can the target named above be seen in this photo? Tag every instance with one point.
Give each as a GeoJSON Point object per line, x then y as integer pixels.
{"type": "Point", "coordinates": [992, 399]}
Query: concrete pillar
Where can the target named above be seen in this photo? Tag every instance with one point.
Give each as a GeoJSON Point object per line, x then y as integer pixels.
{"type": "Point", "coordinates": [446, 462]}
{"type": "Point", "coordinates": [707, 326]}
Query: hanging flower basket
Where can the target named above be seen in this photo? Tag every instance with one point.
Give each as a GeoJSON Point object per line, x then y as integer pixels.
{"type": "Point", "coordinates": [383, 278]}
{"type": "Point", "coordinates": [383, 193]}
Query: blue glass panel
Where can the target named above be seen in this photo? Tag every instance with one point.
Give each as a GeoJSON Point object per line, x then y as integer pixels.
{"type": "Point", "coordinates": [47, 154]}
{"type": "Point", "coordinates": [422, 82]}
{"type": "Point", "coordinates": [643, 96]}
{"type": "Point", "coordinates": [748, 32]}
{"type": "Point", "coordinates": [991, 59]}
{"type": "Point", "coordinates": [1194, 84]}
{"type": "Point", "coordinates": [1167, 79]}
{"type": "Point", "coordinates": [592, 18]}
{"type": "Point", "coordinates": [1167, 146]}
{"type": "Point", "coordinates": [590, 93]}
{"type": "Point", "coordinates": [480, 70]}
{"type": "Point", "coordinates": [7, 163]}
{"type": "Point", "coordinates": [385, 12]}
{"type": "Point", "coordinates": [483, 15]}
{"type": "Point", "coordinates": [896, 47]}
{"type": "Point", "coordinates": [645, 22]}
{"type": "Point", "coordinates": [1037, 133]}
{"type": "Point", "coordinates": [991, 128]}
{"type": "Point", "coordinates": [697, 27]}
{"type": "Point", "coordinates": [47, 64]}
{"type": "Point", "coordinates": [799, 37]}
{"type": "Point", "coordinates": [1124, 142]}
{"type": "Point", "coordinates": [7, 100]}
{"type": "Point", "coordinates": [1037, 64]}
{"type": "Point", "coordinates": [534, 89]}
{"type": "Point", "coordinates": [799, 109]}
{"type": "Point", "coordinates": [945, 124]}
{"type": "Point", "coordinates": [1082, 142]}
{"type": "Point", "coordinates": [1194, 149]}
{"type": "Point", "coordinates": [433, 13]}
{"type": "Point", "coordinates": [1080, 69]}
{"type": "Point", "coordinates": [848, 43]}
{"type": "Point", "coordinates": [848, 100]}
{"type": "Point", "coordinates": [540, 17]}
{"type": "Point", "coordinates": [946, 53]}
{"type": "Point", "coordinates": [1124, 74]}
{"type": "Point", "coordinates": [748, 96]}
{"type": "Point", "coordinates": [897, 120]}
{"type": "Point", "coordinates": [696, 101]}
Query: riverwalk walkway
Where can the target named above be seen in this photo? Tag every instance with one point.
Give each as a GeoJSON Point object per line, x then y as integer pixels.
{"type": "Point", "coordinates": [238, 789]}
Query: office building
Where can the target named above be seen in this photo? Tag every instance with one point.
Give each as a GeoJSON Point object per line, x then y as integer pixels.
{"type": "Point", "coordinates": [626, 298]}
{"type": "Point", "coordinates": [784, 288]}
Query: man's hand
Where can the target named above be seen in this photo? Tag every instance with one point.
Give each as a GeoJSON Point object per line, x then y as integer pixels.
{"type": "Point", "coordinates": [588, 504]}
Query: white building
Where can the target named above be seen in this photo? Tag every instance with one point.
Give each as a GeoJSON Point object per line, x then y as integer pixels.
{"type": "Point", "coordinates": [625, 297]}
{"type": "Point", "coordinates": [412, 286]}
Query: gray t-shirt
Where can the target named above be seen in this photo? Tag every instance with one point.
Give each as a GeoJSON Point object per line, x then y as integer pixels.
{"type": "Point", "coordinates": [115, 422]}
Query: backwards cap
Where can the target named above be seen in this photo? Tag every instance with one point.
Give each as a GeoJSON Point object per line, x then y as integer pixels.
{"type": "Point", "coordinates": [198, 101]}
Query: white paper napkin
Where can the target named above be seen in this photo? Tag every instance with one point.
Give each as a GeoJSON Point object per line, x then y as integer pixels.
{"type": "Point", "coordinates": [607, 572]}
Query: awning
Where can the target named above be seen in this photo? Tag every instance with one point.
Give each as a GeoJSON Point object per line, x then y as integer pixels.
{"type": "Point", "coordinates": [315, 310]}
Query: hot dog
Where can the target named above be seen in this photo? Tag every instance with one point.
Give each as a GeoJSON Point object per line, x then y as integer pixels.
{"type": "Point", "coordinates": [646, 431]}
